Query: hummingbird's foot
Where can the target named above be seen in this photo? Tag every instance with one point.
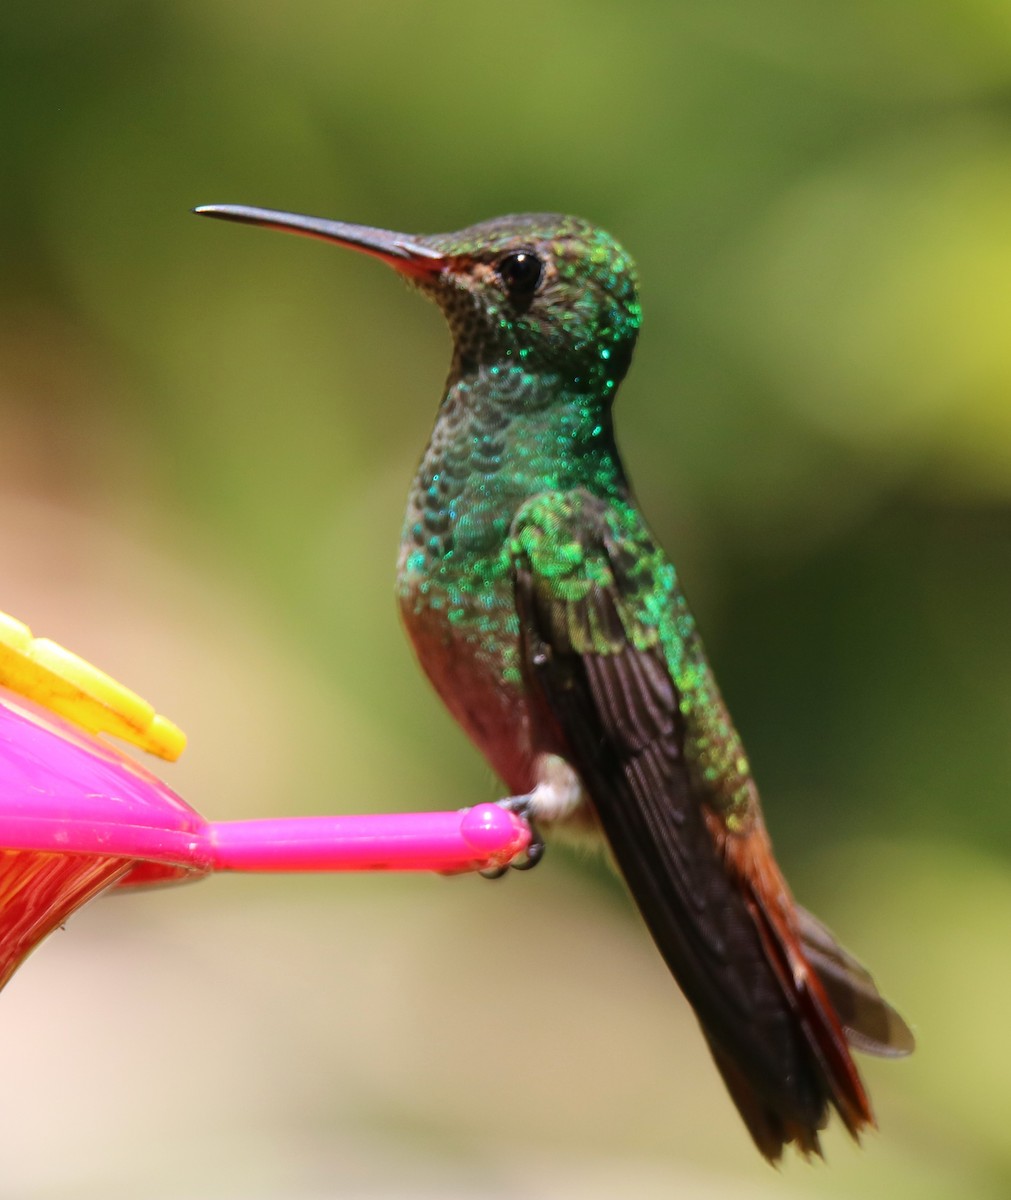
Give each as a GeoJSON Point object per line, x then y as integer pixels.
{"type": "Point", "coordinates": [523, 807]}
{"type": "Point", "coordinates": [534, 851]}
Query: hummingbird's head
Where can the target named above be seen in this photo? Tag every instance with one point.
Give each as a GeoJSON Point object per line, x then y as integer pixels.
{"type": "Point", "coordinates": [550, 294]}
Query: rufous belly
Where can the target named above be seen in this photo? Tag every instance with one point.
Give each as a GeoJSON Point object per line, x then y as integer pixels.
{"type": "Point", "coordinates": [492, 710]}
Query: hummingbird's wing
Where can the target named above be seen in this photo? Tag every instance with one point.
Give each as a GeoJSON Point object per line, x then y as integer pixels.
{"type": "Point", "coordinates": [604, 697]}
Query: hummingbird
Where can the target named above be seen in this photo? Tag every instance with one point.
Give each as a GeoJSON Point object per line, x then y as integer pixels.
{"type": "Point", "coordinates": [555, 630]}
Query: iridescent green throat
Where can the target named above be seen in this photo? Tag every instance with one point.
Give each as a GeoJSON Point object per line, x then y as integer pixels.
{"type": "Point", "coordinates": [502, 436]}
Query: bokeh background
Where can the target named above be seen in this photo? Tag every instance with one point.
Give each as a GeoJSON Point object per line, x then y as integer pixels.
{"type": "Point", "coordinates": [207, 434]}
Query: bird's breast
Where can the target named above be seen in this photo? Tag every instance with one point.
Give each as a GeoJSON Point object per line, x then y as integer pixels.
{"type": "Point", "coordinates": [466, 640]}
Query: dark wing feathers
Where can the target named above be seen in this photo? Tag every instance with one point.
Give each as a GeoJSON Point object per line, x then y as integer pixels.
{"type": "Point", "coordinates": [599, 677]}
{"type": "Point", "coordinates": [615, 708]}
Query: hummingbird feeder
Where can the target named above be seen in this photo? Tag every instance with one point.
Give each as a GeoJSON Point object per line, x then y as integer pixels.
{"type": "Point", "coordinates": [79, 817]}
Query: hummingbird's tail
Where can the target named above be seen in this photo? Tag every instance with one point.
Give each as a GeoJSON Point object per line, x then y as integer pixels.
{"type": "Point", "coordinates": [834, 999]}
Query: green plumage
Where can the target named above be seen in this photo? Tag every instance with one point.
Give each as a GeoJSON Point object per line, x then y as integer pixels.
{"type": "Point", "coordinates": [523, 432]}
{"type": "Point", "coordinates": [574, 562]}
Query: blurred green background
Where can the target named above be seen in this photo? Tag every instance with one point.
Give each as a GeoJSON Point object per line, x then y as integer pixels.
{"type": "Point", "coordinates": [207, 437]}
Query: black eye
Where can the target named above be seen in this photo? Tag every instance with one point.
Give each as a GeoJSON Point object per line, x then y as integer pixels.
{"type": "Point", "coordinates": [520, 272]}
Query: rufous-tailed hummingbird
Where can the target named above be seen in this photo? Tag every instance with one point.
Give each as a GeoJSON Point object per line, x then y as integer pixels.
{"type": "Point", "coordinates": [554, 628]}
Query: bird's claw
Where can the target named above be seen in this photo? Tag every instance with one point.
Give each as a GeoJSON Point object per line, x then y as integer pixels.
{"type": "Point", "coordinates": [522, 807]}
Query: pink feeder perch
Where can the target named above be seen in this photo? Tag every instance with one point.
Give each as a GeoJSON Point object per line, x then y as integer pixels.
{"type": "Point", "coordinates": [77, 816]}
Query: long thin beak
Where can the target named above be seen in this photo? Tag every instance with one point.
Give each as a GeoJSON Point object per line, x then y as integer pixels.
{"type": "Point", "coordinates": [398, 249]}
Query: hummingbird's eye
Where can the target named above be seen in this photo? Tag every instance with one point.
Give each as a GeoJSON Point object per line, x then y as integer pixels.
{"type": "Point", "coordinates": [520, 273]}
